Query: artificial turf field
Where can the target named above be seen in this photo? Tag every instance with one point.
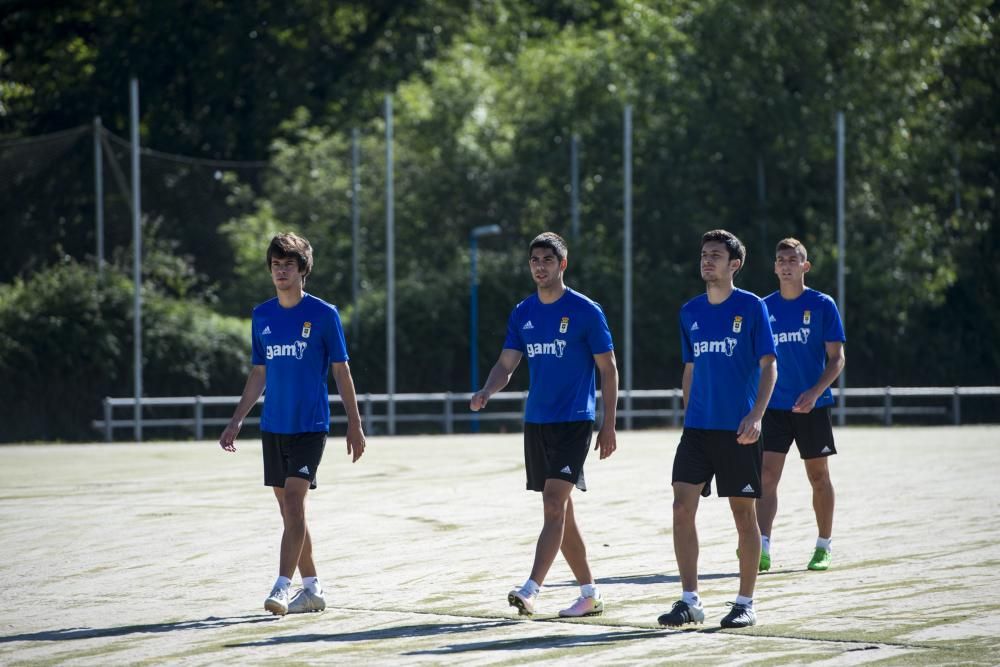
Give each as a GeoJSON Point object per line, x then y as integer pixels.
{"type": "Point", "coordinates": [162, 553]}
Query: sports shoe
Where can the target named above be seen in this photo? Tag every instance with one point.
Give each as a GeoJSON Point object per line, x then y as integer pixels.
{"type": "Point", "coordinates": [524, 601]}
{"type": "Point", "coordinates": [765, 560]}
{"type": "Point", "coordinates": [740, 616]}
{"type": "Point", "coordinates": [304, 601]}
{"type": "Point", "coordinates": [277, 601]}
{"type": "Point", "coordinates": [681, 614]}
{"type": "Point", "coordinates": [583, 607]}
{"type": "Point", "coordinates": [820, 560]}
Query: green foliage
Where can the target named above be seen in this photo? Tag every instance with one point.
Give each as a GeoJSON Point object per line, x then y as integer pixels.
{"type": "Point", "coordinates": [68, 343]}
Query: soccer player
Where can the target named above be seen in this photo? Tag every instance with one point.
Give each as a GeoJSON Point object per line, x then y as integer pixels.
{"type": "Point", "coordinates": [809, 339]}
{"type": "Point", "coordinates": [296, 340]}
{"type": "Point", "coordinates": [729, 373]}
{"type": "Point", "coordinates": [565, 335]}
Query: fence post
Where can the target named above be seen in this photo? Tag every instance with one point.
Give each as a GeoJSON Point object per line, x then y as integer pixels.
{"type": "Point", "coordinates": [887, 418]}
{"type": "Point", "coordinates": [107, 419]}
{"type": "Point", "coordinates": [675, 406]}
{"type": "Point", "coordinates": [368, 413]}
{"type": "Point", "coordinates": [956, 407]}
{"type": "Point", "coordinates": [449, 425]}
{"type": "Point", "coordinates": [199, 419]}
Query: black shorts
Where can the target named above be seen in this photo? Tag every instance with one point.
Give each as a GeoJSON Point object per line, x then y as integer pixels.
{"type": "Point", "coordinates": [292, 455]}
{"type": "Point", "coordinates": [704, 453]}
{"type": "Point", "coordinates": [811, 431]}
{"type": "Point", "coordinates": [556, 451]}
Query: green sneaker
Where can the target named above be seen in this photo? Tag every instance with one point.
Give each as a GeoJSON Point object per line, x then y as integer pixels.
{"type": "Point", "coordinates": [820, 559]}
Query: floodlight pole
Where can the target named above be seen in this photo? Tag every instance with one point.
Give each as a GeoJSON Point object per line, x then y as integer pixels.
{"type": "Point", "coordinates": [136, 258]}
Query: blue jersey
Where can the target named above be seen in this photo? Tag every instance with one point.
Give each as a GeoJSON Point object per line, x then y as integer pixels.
{"type": "Point", "coordinates": [560, 340]}
{"type": "Point", "coordinates": [802, 328]}
{"type": "Point", "coordinates": [725, 342]}
{"type": "Point", "coordinates": [296, 346]}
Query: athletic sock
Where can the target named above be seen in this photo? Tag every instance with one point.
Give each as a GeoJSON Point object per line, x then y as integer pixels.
{"type": "Point", "coordinates": [590, 591]}
{"type": "Point", "coordinates": [312, 585]}
{"type": "Point", "coordinates": [824, 543]}
{"type": "Point", "coordinates": [744, 600]}
{"type": "Point", "coordinates": [531, 587]}
{"type": "Point", "coordinates": [765, 544]}
{"type": "Point", "coordinates": [691, 598]}
{"type": "Point", "coordinates": [283, 582]}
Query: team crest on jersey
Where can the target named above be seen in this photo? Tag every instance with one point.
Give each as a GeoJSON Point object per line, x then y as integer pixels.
{"type": "Point", "coordinates": [737, 324]}
{"type": "Point", "coordinates": [306, 329]}
{"type": "Point", "coordinates": [563, 325]}
{"type": "Point", "coordinates": [806, 316]}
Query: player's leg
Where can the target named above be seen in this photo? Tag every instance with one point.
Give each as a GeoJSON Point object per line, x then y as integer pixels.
{"type": "Point", "coordinates": [555, 497]}
{"type": "Point", "coordinates": [304, 466]}
{"type": "Point", "coordinates": [575, 552]}
{"type": "Point", "coordinates": [816, 445]}
{"type": "Point", "coordinates": [738, 473]}
{"type": "Point", "coordinates": [275, 453]}
{"type": "Point", "coordinates": [777, 434]}
{"type": "Point", "coordinates": [692, 470]}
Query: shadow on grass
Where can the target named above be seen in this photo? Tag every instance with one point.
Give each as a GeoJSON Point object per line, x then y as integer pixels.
{"type": "Point", "coordinates": [70, 634]}
{"type": "Point", "coordinates": [644, 579]}
{"type": "Point", "coordinates": [400, 632]}
{"type": "Point", "coordinates": [548, 641]}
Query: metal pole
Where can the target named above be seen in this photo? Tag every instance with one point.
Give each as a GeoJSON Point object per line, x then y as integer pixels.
{"type": "Point", "coordinates": [99, 193]}
{"type": "Point", "coordinates": [627, 140]}
{"type": "Point", "coordinates": [137, 257]}
{"type": "Point", "coordinates": [355, 231]}
{"type": "Point", "coordinates": [473, 324]}
{"type": "Point", "coordinates": [390, 275]}
{"type": "Point", "coordinates": [841, 249]}
{"type": "Point", "coordinates": [574, 186]}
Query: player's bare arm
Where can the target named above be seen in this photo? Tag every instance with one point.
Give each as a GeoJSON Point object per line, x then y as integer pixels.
{"type": "Point", "coordinates": [835, 361]}
{"type": "Point", "coordinates": [252, 391]}
{"type": "Point", "coordinates": [749, 429]}
{"type": "Point", "coordinates": [686, 380]}
{"type": "Point", "coordinates": [348, 397]}
{"type": "Point", "coordinates": [607, 441]}
{"type": "Point", "coordinates": [498, 378]}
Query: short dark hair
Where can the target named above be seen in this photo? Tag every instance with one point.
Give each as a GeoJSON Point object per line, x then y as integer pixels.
{"type": "Point", "coordinates": [792, 243]}
{"type": "Point", "coordinates": [553, 242]}
{"type": "Point", "coordinates": [286, 245]}
{"type": "Point", "coordinates": [733, 245]}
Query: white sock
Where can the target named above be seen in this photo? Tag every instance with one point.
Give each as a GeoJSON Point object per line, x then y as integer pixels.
{"type": "Point", "coordinates": [691, 598]}
{"type": "Point", "coordinates": [590, 591]}
{"type": "Point", "coordinates": [312, 585]}
{"type": "Point", "coordinates": [824, 543]}
{"type": "Point", "coordinates": [531, 587]}
{"type": "Point", "coordinates": [283, 582]}
{"type": "Point", "coordinates": [765, 544]}
{"type": "Point", "coordinates": [744, 600]}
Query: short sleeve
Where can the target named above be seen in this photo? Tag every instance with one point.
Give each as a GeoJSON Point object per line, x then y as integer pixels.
{"type": "Point", "coordinates": [687, 351]}
{"type": "Point", "coordinates": [763, 335]}
{"type": "Point", "coordinates": [598, 333]}
{"type": "Point", "coordinates": [833, 326]}
{"type": "Point", "coordinates": [257, 356]}
{"type": "Point", "coordinates": [334, 338]}
{"type": "Point", "coordinates": [514, 340]}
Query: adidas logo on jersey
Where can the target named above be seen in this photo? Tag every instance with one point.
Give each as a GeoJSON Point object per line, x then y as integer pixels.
{"type": "Point", "coordinates": [694, 327]}
{"type": "Point", "coordinates": [266, 331]}
{"type": "Point", "coordinates": [772, 318]}
{"type": "Point", "coordinates": [527, 325]}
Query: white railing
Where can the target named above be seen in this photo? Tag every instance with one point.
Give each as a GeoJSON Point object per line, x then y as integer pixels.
{"type": "Point", "coordinates": [663, 405]}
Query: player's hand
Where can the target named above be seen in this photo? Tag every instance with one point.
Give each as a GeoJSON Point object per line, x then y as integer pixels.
{"type": "Point", "coordinates": [749, 430]}
{"type": "Point", "coordinates": [355, 442]}
{"type": "Point", "coordinates": [607, 441]}
{"type": "Point", "coordinates": [805, 402]}
{"type": "Point", "coordinates": [228, 438]}
{"type": "Point", "coordinates": [479, 401]}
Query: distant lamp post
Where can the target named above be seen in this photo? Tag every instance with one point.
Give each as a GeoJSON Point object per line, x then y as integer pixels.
{"type": "Point", "coordinates": [484, 230]}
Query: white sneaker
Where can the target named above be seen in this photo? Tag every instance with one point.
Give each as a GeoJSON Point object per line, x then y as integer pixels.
{"type": "Point", "coordinates": [523, 600]}
{"type": "Point", "coordinates": [584, 607]}
{"type": "Point", "coordinates": [304, 601]}
{"type": "Point", "coordinates": [277, 601]}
